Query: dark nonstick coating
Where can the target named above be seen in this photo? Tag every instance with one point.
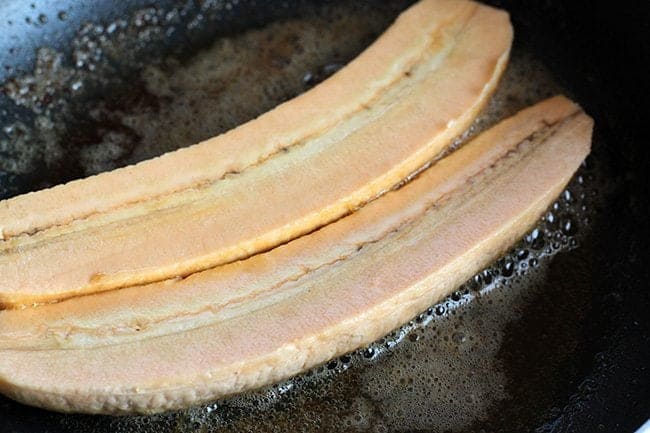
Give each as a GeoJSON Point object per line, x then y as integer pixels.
{"type": "Point", "coordinates": [575, 360]}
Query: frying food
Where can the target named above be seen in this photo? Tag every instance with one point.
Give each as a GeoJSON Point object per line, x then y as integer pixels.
{"type": "Point", "coordinates": [276, 314]}
{"type": "Point", "coordinates": [301, 166]}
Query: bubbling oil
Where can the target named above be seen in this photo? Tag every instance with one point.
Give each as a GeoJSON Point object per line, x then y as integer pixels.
{"type": "Point", "coordinates": [445, 370]}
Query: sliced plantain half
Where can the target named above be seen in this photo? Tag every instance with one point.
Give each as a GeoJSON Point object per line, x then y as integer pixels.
{"type": "Point", "coordinates": [299, 167]}
{"type": "Point", "coordinates": [169, 345]}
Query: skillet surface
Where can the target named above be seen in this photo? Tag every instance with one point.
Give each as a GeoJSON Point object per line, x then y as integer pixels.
{"type": "Point", "coordinates": [562, 344]}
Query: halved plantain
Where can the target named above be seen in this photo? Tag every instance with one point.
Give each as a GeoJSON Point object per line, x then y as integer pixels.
{"type": "Point", "coordinates": [455, 54]}
{"type": "Point", "coordinates": [276, 314]}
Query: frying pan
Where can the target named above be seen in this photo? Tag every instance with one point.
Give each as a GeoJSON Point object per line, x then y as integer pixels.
{"type": "Point", "coordinates": [563, 345]}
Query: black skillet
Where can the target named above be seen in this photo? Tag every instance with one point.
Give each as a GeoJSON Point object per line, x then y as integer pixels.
{"type": "Point", "coordinates": [574, 357]}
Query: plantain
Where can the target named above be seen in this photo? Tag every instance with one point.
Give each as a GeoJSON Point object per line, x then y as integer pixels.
{"type": "Point", "coordinates": [168, 345]}
{"type": "Point", "coordinates": [299, 167]}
